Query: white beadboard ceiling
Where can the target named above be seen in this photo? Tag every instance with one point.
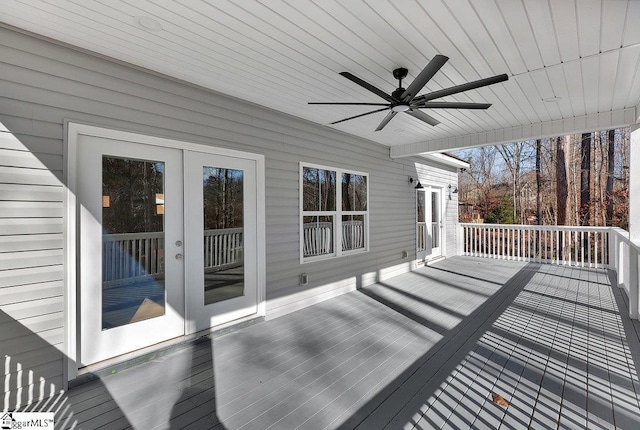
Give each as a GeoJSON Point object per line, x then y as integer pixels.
{"type": "Point", "coordinates": [285, 53]}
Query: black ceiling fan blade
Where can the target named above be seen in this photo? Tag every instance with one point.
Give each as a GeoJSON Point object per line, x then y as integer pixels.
{"type": "Point", "coordinates": [386, 120]}
{"type": "Point", "coordinates": [425, 76]}
{"type": "Point", "coordinates": [423, 117]}
{"type": "Point", "coordinates": [450, 105]}
{"type": "Point", "coordinates": [349, 104]}
{"type": "Point", "coordinates": [368, 86]}
{"type": "Point", "coordinates": [358, 116]}
{"type": "Point", "coordinates": [463, 87]}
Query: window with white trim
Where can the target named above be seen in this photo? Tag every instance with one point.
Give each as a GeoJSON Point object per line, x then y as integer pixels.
{"type": "Point", "coordinates": [334, 212]}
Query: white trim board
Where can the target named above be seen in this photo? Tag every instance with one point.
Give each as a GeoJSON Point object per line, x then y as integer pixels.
{"type": "Point", "coordinates": [562, 127]}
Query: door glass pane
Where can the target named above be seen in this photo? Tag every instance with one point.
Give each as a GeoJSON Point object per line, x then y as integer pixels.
{"type": "Point", "coordinates": [421, 226]}
{"type": "Point", "coordinates": [223, 234]}
{"type": "Point", "coordinates": [133, 250]}
{"type": "Point", "coordinates": [435, 218]}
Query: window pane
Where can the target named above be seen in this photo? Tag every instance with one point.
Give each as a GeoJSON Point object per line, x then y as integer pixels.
{"type": "Point", "coordinates": [223, 234]}
{"type": "Point", "coordinates": [319, 189]}
{"type": "Point", "coordinates": [435, 221]}
{"type": "Point", "coordinates": [354, 192]}
{"type": "Point", "coordinates": [133, 286]}
{"type": "Point", "coordinates": [353, 232]}
{"type": "Point", "coordinates": [317, 232]}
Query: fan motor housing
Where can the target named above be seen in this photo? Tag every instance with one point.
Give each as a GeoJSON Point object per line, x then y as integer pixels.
{"type": "Point", "coordinates": [400, 73]}
{"type": "Point", "coordinates": [397, 93]}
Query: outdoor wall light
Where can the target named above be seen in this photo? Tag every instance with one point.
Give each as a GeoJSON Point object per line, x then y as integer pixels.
{"type": "Point", "coordinates": [455, 191]}
{"type": "Point", "coordinates": [418, 184]}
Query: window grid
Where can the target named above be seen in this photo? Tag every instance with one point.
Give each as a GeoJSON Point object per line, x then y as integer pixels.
{"type": "Point", "coordinates": [346, 233]}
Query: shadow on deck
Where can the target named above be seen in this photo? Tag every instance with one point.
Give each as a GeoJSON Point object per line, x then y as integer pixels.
{"type": "Point", "coordinates": [422, 350]}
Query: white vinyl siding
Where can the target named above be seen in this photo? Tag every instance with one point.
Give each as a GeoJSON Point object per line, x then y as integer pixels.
{"type": "Point", "coordinates": [42, 84]}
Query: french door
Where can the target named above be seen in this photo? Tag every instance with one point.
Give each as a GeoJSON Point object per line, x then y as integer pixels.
{"type": "Point", "coordinates": [147, 213]}
{"type": "Point", "coordinates": [435, 221]}
{"type": "Point", "coordinates": [428, 223]}
{"type": "Point", "coordinates": [221, 239]}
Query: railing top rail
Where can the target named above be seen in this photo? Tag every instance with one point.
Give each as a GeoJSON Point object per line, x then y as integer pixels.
{"type": "Point", "coordinates": [222, 231]}
{"type": "Point", "coordinates": [160, 234]}
{"type": "Point", "coordinates": [321, 224]}
{"type": "Point", "coordinates": [623, 235]}
{"type": "Point", "coordinates": [537, 227]}
{"type": "Point", "coordinates": [130, 236]}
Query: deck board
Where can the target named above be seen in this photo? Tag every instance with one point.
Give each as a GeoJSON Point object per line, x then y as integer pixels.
{"type": "Point", "coordinates": [421, 350]}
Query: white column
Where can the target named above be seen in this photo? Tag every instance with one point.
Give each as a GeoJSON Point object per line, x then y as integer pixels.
{"type": "Point", "coordinates": [634, 184]}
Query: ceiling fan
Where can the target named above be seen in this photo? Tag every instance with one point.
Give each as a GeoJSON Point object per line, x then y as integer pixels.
{"type": "Point", "coordinates": [408, 101]}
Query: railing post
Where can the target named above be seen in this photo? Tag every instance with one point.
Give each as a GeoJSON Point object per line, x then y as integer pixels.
{"type": "Point", "coordinates": [459, 239]}
{"type": "Point", "coordinates": [634, 287]}
{"type": "Point", "coordinates": [612, 241]}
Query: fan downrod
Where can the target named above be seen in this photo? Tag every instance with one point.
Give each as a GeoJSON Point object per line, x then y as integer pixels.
{"type": "Point", "coordinates": [399, 74]}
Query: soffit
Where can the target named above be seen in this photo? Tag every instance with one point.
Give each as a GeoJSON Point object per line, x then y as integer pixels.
{"type": "Point", "coordinates": [283, 54]}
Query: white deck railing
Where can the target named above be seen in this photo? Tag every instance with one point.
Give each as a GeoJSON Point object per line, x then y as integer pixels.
{"type": "Point", "coordinates": [223, 248]}
{"type": "Point", "coordinates": [132, 255]}
{"type": "Point", "coordinates": [318, 237]}
{"type": "Point", "coordinates": [576, 246]}
{"type": "Point", "coordinates": [128, 256]}
{"type": "Point", "coordinates": [352, 235]}
{"type": "Point", "coordinates": [598, 247]}
{"type": "Point", "coordinates": [421, 237]}
{"type": "Point", "coordinates": [624, 261]}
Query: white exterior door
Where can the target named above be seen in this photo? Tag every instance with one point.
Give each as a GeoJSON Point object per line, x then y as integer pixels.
{"type": "Point", "coordinates": [146, 213]}
{"type": "Point", "coordinates": [130, 200]}
{"type": "Point", "coordinates": [428, 223]}
{"type": "Point", "coordinates": [434, 213]}
{"type": "Point", "coordinates": [423, 241]}
{"type": "Point", "coordinates": [221, 240]}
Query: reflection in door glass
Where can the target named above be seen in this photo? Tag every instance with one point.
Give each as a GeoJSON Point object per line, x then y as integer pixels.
{"type": "Point", "coordinates": [133, 251]}
{"type": "Point", "coordinates": [223, 234]}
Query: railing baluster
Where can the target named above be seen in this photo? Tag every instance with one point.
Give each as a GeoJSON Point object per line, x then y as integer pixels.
{"type": "Point", "coordinates": [569, 239]}
{"type": "Point", "coordinates": [593, 246]}
{"type": "Point", "coordinates": [581, 248]}
{"type": "Point", "coordinates": [475, 239]}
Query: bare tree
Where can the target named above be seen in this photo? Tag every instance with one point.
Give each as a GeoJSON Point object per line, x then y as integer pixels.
{"type": "Point", "coordinates": [515, 155]}
{"type": "Point", "coordinates": [539, 180]}
{"type": "Point", "coordinates": [611, 162]}
{"type": "Point", "coordinates": [585, 179]}
{"type": "Point", "coordinates": [561, 186]}
{"type": "Point", "coordinates": [577, 180]}
{"type": "Point", "coordinates": [483, 178]}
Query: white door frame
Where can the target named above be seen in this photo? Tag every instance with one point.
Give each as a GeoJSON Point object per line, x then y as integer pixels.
{"type": "Point", "coordinates": [428, 252]}
{"type": "Point", "coordinates": [72, 133]}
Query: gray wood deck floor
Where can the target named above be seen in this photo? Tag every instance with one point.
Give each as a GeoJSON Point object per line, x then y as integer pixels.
{"type": "Point", "coordinates": [422, 350]}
